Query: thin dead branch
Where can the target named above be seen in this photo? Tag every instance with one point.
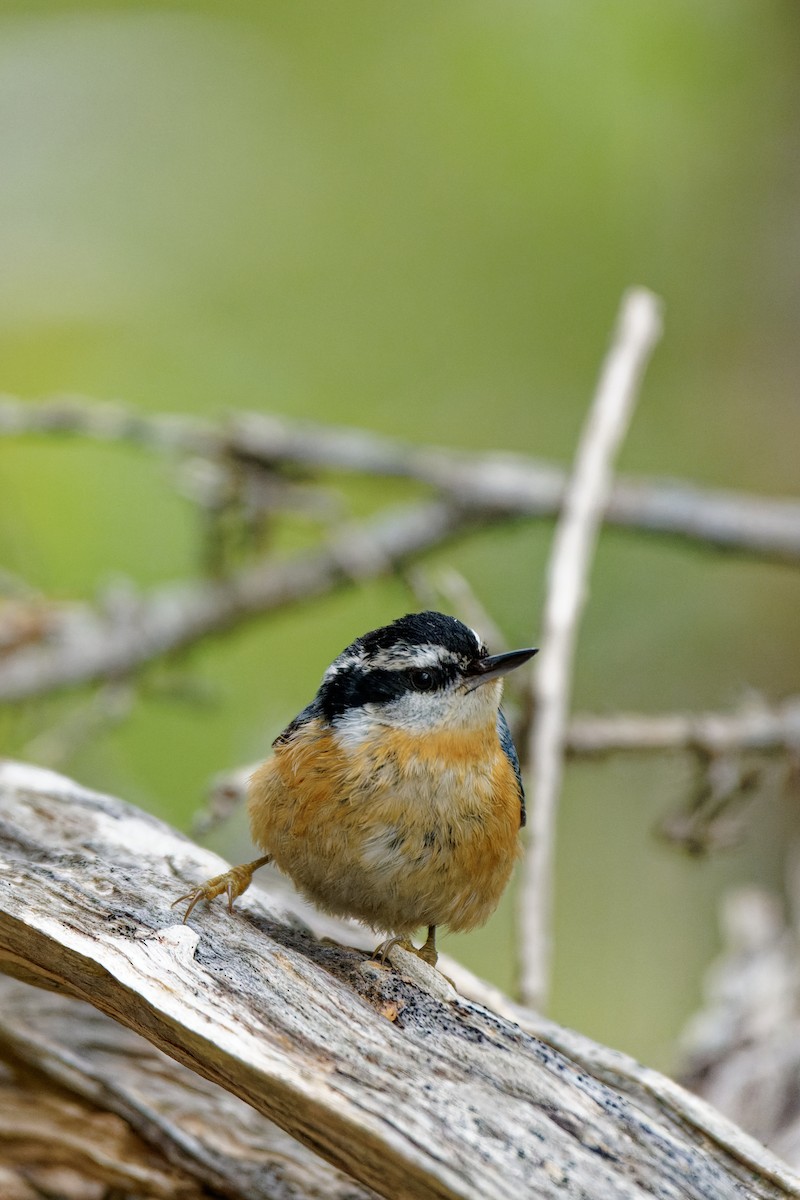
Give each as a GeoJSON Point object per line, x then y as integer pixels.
{"type": "Point", "coordinates": [729, 752]}
{"type": "Point", "coordinates": [497, 486]}
{"type": "Point", "coordinates": [575, 537]}
{"type": "Point", "coordinates": [86, 644]}
{"type": "Point", "coordinates": [758, 728]}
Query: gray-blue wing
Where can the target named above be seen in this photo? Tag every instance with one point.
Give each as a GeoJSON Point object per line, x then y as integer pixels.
{"type": "Point", "coordinates": [510, 751]}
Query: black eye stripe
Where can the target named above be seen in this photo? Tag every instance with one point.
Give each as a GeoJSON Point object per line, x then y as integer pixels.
{"type": "Point", "coordinates": [354, 687]}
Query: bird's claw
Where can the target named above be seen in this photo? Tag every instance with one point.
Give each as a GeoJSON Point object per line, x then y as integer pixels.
{"type": "Point", "coordinates": [231, 882]}
{"type": "Point", "coordinates": [206, 891]}
{"type": "Point", "coordinates": [381, 953]}
{"type": "Point", "coordinates": [427, 952]}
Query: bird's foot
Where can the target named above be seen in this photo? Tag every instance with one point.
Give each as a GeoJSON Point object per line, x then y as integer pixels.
{"type": "Point", "coordinates": [427, 953]}
{"type": "Point", "coordinates": [382, 952]}
{"type": "Point", "coordinates": [233, 883]}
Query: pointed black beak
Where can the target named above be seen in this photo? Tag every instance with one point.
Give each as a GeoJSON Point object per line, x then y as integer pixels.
{"type": "Point", "coordinates": [484, 669]}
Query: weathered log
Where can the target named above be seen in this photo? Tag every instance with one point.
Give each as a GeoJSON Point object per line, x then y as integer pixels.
{"type": "Point", "coordinates": [71, 1148]}
{"type": "Point", "coordinates": [399, 1082]}
{"type": "Point", "coordinates": [162, 1130]}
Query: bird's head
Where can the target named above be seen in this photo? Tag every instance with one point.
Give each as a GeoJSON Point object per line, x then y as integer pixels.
{"type": "Point", "coordinates": [424, 672]}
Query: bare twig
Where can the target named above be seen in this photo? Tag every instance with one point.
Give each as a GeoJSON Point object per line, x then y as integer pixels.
{"type": "Point", "coordinates": [756, 728]}
{"type": "Point", "coordinates": [498, 485]}
{"type": "Point", "coordinates": [573, 546]}
{"type": "Point", "coordinates": [723, 746]}
{"type": "Point", "coordinates": [456, 590]}
{"type": "Point", "coordinates": [713, 816]}
{"type": "Point", "coordinates": [89, 645]}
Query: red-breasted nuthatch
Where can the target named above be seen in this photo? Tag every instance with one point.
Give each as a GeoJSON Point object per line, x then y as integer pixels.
{"type": "Point", "coordinates": [395, 797]}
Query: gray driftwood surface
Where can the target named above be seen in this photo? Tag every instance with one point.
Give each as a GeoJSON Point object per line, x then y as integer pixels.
{"type": "Point", "coordinates": [388, 1075]}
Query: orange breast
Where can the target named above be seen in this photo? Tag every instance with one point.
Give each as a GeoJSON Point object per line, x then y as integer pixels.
{"type": "Point", "coordinates": [400, 831]}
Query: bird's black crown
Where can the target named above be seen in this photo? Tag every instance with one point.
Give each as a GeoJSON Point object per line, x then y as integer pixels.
{"type": "Point", "coordinates": [420, 629]}
{"type": "Point", "coordinates": [381, 665]}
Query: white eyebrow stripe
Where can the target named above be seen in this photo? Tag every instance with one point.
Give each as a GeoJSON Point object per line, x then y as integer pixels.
{"type": "Point", "coordinates": [341, 664]}
{"type": "Point", "coordinates": [403, 655]}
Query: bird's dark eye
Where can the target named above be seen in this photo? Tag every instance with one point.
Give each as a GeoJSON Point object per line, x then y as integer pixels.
{"type": "Point", "coordinates": [422, 681]}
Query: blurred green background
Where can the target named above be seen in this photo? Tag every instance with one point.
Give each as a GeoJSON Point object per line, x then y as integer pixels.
{"type": "Point", "coordinates": [420, 218]}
